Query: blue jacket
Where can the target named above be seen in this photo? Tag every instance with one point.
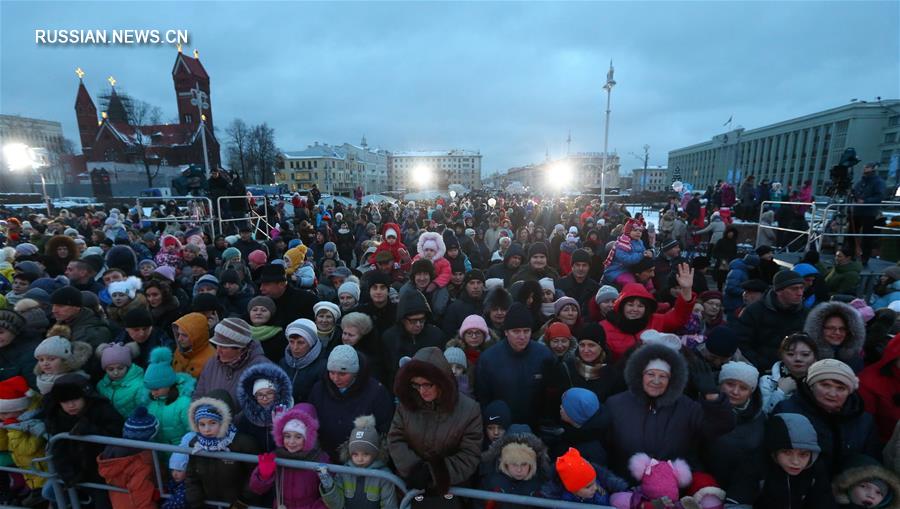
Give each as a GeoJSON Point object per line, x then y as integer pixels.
{"type": "Point", "coordinates": [514, 377]}
{"type": "Point", "coordinates": [739, 272]}
{"type": "Point", "coordinates": [886, 299]}
{"type": "Point", "coordinates": [622, 260]}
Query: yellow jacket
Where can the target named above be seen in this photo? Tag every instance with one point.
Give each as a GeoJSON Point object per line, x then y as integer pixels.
{"type": "Point", "coordinates": [25, 441]}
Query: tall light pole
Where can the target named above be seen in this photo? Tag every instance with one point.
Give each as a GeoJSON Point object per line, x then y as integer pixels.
{"type": "Point", "coordinates": [200, 99]}
{"type": "Point", "coordinates": [610, 83]}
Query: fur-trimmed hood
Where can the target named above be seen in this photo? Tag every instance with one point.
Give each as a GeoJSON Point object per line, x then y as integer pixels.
{"type": "Point", "coordinates": [81, 353]}
{"type": "Point", "coordinates": [26, 305]}
{"type": "Point", "coordinates": [437, 238]}
{"type": "Point", "coordinates": [863, 468]}
{"type": "Point", "coordinates": [57, 241]}
{"type": "Point", "coordinates": [430, 364]}
{"type": "Point", "coordinates": [252, 410]}
{"type": "Point", "coordinates": [303, 412]}
{"type": "Point", "coordinates": [856, 330]}
{"type": "Point", "coordinates": [634, 372]}
{"type": "Point", "coordinates": [222, 408]}
{"type": "Point", "coordinates": [494, 453]}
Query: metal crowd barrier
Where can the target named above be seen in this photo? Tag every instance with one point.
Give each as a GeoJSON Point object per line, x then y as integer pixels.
{"type": "Point", "coordinates": [811, 205]}
{"type": "Point", "coordinates": [66, 498]}
{"type": "Point", "coordinates": [259, 222]}
{"type": "Point", "coordinates": [835, 208]}
{"type": "Point", "coordinates": [199, 211]}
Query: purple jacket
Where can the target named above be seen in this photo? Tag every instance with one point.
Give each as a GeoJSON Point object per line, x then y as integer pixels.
{"type": "Point", "coordinates": [216, 375]}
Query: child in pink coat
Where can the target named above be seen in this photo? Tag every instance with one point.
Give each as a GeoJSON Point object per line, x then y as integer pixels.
{"type": "Point", "coordinates": [431, 246]}
{"type": "Point", "coordinates": [295, 434]}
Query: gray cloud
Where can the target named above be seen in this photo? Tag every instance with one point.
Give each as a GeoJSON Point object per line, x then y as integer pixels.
{"type": "Point", "coordinates": [509, 79]}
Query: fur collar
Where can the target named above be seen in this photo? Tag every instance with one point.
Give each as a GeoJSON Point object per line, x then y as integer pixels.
{"type": "Point", "coordinates": [844, 481]}
{"type": "Point", "coordinates": [856, 330]}
{"type": "Point", "coordinates": [430, 364]}
{"type": "Point", "coordinates": [222, 409]}
{"type": "Point", "coordinates": [252, 410]}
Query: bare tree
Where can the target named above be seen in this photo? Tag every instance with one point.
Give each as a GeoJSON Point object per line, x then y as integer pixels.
{"type": "Point", "coordinates": [239, 141]}
{"type": "Point", "coordinates": [263, 151]}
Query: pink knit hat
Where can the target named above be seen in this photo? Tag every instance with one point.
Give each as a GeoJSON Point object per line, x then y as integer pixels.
{"type": "Point", "coordinates": [660, 478]}
{"type": "Point", "coordinates": [474, 322]}
{"type": "Point", "coordinates": [865, 311]}
{"type": "Point", "coordinates": [258, 257]}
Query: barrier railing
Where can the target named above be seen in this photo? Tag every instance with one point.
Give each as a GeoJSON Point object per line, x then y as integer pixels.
{"type": "Point", "coordinates": [259, 222]}
{"type": "Point", "coordinates": [812, 209]}
{"type": "Point", "coordinates": [836, 212]}
{"type": "Point", "coordinates": [61, 494]}
{"type": "Point", "coordinates": [199, 212]}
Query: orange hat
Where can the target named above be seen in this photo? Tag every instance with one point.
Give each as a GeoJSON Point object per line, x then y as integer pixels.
{"type": "Point", "coordinates": [574, 471]}
{"type": "Point", "coordinates": [557, 330]}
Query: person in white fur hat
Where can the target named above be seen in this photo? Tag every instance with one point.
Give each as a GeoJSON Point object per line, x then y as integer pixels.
{"type": "Point", "coordinates": [125, 297]}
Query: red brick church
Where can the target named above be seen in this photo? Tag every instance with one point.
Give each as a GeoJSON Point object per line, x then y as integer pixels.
{"type": "Point", "coordinates": [111, 137]}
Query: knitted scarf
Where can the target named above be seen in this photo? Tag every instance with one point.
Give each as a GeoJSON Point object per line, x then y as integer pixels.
{"type": "Point", "coordinates": [588, 371]}
{"type": "Point", "coordinates": [622, 243]}
{"type": "Point", "coordinates": [214, 443]}
{"type": "Point", "coordinates": [304, 361]}
{"type": "Point", "coordinates": [264, 332]}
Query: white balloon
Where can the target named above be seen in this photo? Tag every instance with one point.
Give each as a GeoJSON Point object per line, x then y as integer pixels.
{"type": "Point", "coordinates": [492, 202]}
{"type": "Point", "coordinates": [677, 186]}
{"type": "Point", "coordinates": [452, 194]}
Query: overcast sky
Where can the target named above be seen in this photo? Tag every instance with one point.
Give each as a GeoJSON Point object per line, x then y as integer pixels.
{"type": "Point", "coordinates": [508, 79]}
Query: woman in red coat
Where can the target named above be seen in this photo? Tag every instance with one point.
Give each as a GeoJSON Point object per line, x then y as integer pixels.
{"type": "Point", "coordinates": [879, 386]}
{"type": "Point", "coordinates": [635, 312]}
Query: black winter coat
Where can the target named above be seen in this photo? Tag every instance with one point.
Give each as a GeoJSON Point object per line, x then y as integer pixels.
{"type": "Point", "coordinates": [76, 462]}
{"type": "Point", "coordinates": [741, 449]}
{"type": "Point", "coordinates": [809, 490]}
{"type": "Point", "coordinates": [457, 311]}
{"type": "Point", "coordinates": [582, 292]}
{"type": "Point", "coordinates": [294, 303]}
{"type": "Point", "coordinates": [841, 435]}
{"type": "Point", "coordinates": [761, 328]}
{"type": "Point", "coordinates": [338, 409]}
{"type": "Point", "coordinates": [17, 358]}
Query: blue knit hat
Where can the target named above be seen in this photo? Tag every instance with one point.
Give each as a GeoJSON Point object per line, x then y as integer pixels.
{"type": "Point", "coordinates": [159, 373]}
{"type": "Point", "coordinates": [294, 243]}
{"type": "Point", "coordinates": [178, 461]}
{"type": "Point", "coordinates": [140, 425]}
{"type": "Point", "coordinates": [207, 412]}
{"type": "Point", "coordinates": [580, 404]}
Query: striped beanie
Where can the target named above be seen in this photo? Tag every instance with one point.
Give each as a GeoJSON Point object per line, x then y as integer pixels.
{"type": "Point", "coordinates": [232, 332]}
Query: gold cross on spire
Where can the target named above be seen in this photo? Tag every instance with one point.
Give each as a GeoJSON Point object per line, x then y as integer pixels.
{"type": "Point", "coordinates": [196, 54]}
{"type": "Point", "coordinates": [79, 73]}
{"type": "Point", "coordinates": [179, 47]}
{"type": "Point", "coordinates": [112, 81]}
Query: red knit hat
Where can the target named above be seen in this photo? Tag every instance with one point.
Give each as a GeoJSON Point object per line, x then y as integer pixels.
{"type": "Point", "coordinates": [632, 224]}
{"type": "Point", "coordinates": [557, 330]}
{"type": "Point", "coordinates": [15, 396]}
{"type": "Point", "coordinates": [574, 471]}
{"type": "Point", "coordinates": [705, 485]}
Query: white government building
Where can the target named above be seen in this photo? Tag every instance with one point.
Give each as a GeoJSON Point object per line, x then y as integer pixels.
{"type": "Point", "coordinates": [799, 149]}
{"type": "Point", "coordinates": [445, 167]}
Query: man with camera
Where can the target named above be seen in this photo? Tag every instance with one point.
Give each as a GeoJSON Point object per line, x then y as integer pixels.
{"type": "Point", "coordinates": [870, 190]}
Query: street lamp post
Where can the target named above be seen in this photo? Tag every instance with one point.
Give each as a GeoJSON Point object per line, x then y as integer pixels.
{"type": "Point", "coordinates": [610, 83]}
{"type": "Point", "coordinates": [200, 99]}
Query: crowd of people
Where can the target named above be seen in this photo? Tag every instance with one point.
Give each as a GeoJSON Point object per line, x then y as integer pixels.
{"type": "Point", "coordinates": [550, 347]}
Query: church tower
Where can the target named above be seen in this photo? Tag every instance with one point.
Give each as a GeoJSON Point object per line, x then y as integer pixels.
{"type": "Point", "coordinates": [86, 114]}
{"type": "Point", "coordinates": [188, 74]}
